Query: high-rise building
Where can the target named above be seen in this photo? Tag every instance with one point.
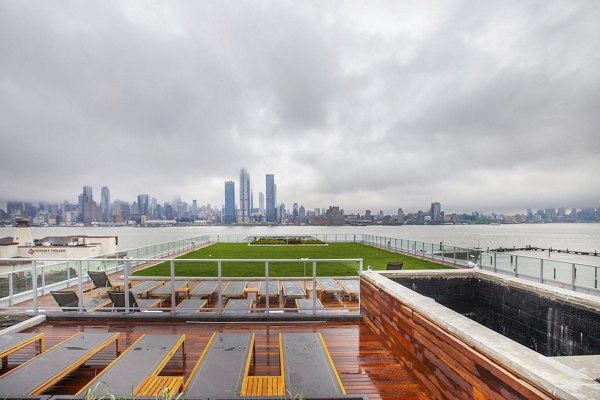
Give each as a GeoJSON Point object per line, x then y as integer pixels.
{"type": "Point", "coordinates": [295, 213]}
{"type": "Point", "coordinates": [229, 211]}
{"type": "Point", "coordinates": [143, 204]}
{"type": "Point", "coordinates": [400, 216]}
{"type": "Point", "coordinates": [194, 208]}
{"type": "Point", "coordinates": [261, 202]}
{"type": "Point", "coordinates": [245, 198]}
{"type": "Point", "coordinates": [436, 211]}
{"type": "Point", "coordinates": [105, 203]}
{"type": "Point", "coordinates": [301, 215]}
{"type": "Point", "coordinates": [270, 194]}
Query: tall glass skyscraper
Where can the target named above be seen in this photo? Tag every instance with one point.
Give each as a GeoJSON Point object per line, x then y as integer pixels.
{"type": "Point", "coordinates": [105, 203]}
{"type": "Point", "coordinates": [245, 197]}
{"type": "Point", "coordinates": [229, 215]}
{"type": "Point", "coordinates": [270, 194]}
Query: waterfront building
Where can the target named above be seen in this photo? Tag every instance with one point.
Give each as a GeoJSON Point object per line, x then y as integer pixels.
{"type": "Point", "coordinates": [436, 210]}
{"type": "Point", "coordinates": [84, 197]}
{"type": "Point", "coordinates": [295, 213]}
{"type": "Point", "coordinates": [229, 216]}
{"type": "Point", "coordinates": [270, 194]}
{"type": "Point", "coordinates": [105, 203]}
{"type": "Point", "coordinates": [301, 215]}
{"type": "Point", "coordinates": [400, 216]}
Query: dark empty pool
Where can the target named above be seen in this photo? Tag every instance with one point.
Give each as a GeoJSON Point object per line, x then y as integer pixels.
{"type": "Point", "coordinates": [551, 327]}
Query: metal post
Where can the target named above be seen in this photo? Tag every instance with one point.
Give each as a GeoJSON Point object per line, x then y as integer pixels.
{"type": "Point", "coordinates": [126, 270]}
{"type": "Point", "coordinates": [314, 290]}
{"type": "Point", "coordinates": [595, 277]}
{"type": "Point", "coordinates": [34, 285]}
{"type": "Point", "coordinates": [573, 275]}
{"type": "Point", "coordinates": [43, 280]}
{"type": "Point", "coordinates": [541, 269]}
{"type": "Point", "coordinates": [10, 289]}
{"type": "Point", "coordinates": [173, 294]}
{"type": "Point", "coordinates": [454, 263]}
{"type": "Point", "coordinates": [495, 263]}
{"type": "Point", "coordinates": [516, 269]}
{"type": "Point", "coordinates": [220, 301]}
{"type": "Point", "coordinates": [68, 274]}
{"type": "Point", "coordinates": [267, 285]}
{"type": "Point", "coordinates": [80, 285]}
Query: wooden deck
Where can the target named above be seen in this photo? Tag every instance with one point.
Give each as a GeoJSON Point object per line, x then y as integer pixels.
{"type": "Point", "coordinates": [364, 364]}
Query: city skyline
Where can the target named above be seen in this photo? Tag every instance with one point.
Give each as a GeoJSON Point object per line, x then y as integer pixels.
{"type": "Point", "coordinates": [484, 106]}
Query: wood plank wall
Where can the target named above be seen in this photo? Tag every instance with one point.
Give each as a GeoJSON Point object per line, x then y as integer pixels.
{"type": "Point", "coordinates": [445, 365]}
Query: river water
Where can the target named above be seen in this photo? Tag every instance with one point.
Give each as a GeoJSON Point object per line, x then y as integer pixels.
{"type": "Point", "coordinates": [580, 237]}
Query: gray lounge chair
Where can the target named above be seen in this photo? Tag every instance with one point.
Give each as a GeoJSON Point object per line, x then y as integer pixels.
{"type": "Point", "coordinates": [273, 289]}
{"type": "Point", "coordinates": [68, 300]}
{"type": "Point", "coordinates": [307, 366]}
{"type": "Point", "coordinates": [118, 300]}
{"type": "Point", "coordinates": [12, 342]}
{"type": "Point", "coordinates": [146, 356]}
{"type": "Point", "coordinates": [221, 369]}
{"type": "Point", "coordinates": [329, 286]}
{"type": "Point", "coordinates": [145, 287]}
{"type": "Point", "coordinates": [41, 372]}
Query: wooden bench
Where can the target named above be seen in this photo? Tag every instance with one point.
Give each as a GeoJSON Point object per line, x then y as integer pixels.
{"type": "Point", "coordinates": [263, 386]}
{"type": "Point", "coordinates": [13, 342]}
{"type": "Point", "coordinates": [154, 385]}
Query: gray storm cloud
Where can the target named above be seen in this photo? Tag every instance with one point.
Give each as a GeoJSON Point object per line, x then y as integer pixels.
{"type": "Point", "coordinates": [380, 105]}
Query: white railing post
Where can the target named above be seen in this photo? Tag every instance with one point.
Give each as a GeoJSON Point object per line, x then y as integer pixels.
{"type": "Point", "coordinates": [80, 285]}
{"type": "Point", "coordinates": [43, 280]}
{"type": "Point", "coordinates": [127, 269]}
{"type": "Point", "coordinates": [34, 285]}
{"type": "Point", "coordinates": [11, 289]}
{"type": "Point", "coordinates": [541, 270]}
{"type": "Point", "coordinates": [573, 276]}
{"type": "Point", "coordinates": [173, 294]}
{"type": "Point", "coordinates": [314, 290]}
{"type": "Point", "coordinates": [220, 280]}
{"type": "Point", "coordinates": [267, 285]}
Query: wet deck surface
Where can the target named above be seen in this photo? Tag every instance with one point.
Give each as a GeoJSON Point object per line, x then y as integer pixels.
{"type": "Point", "coordinates": [364, 364]}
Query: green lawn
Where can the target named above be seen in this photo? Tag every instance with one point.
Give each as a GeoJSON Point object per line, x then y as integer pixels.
{"type": "Point", "coordinates": [378, 258]}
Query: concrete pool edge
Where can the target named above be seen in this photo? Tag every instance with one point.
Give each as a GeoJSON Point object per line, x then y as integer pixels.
{"type": "Point", "coordinates": [547, 374]}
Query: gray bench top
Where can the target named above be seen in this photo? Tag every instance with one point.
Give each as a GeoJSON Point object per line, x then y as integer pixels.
{"type": "Point", "coordinates": [307, 366]}
{"type": "Point", "coordinates": [12, 342]}
{"type": "Point", "coordinates": [329, 285]}
{"type": "Point", "coordinates": [191, 304]}
{"type": "Point", "coordinates": [273, 288]}
{"type": "Point", "coordinates": [39, 373]}
{"type": "Point", "coordinates": [238, 306]}
{"type": "Point", "coordinates": [145, 287]}
{"type": "Point", "coordinates": [221, 369]}
{"type": "Point", "coordinates": [351, 286]}
{"type": "Point", "coordinates": [146, 356]}
{"type": "Point", "coordinates": [205, 288]}
{"type": "Point", "coordinates": [306, 306]}
{"type": "Point", "coordinates": [234, 288]}
{"type": "Point", "coordinates": [293, 289]}
{"type": "Point", "coordinates": [165, 290]}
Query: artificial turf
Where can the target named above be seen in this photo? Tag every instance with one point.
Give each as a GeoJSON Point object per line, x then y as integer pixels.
{"type": "Point", "coordinates": [375, 257]}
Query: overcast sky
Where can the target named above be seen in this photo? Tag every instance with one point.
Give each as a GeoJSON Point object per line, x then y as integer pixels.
{"type": "Point", "coordinates": [479, 105]}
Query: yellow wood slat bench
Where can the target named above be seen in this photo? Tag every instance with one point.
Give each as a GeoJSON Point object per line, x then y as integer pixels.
{"type": "Point", "coordinates": [154, 385]}
{"type": "Point", "coordinates": [11, 343]}
{"type": "Point", "coordinates": [263, 386]}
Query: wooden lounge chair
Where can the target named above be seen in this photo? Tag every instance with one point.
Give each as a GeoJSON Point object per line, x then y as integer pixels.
{"type": "Point", "coordinates": [273, 290]}
{"type": "Point", "coordinates": [305, 306]}
{"type": "Point", "coordinates": [307, 366]}
{"type": "Point", "coordinates": [351, 287]}
{"type": "Point", "coordinates": [165, 290]}
{"type": "Point", "coordinates": [293, 290]}
{"type": "Point", "coordinates": [191, 305]}
{"type": "Point", "coordinates": [221, 368]}
{"type": "Point", "coordinates": [269, 386]}
{"type": "Point", "coordinates": [145, 287]}
{"type": "Point", "coordinates": [68, 300]}
{"type": "Point", "coordinates": [205, 289]}
{"type": "Point", "coordinates": [13, 342]}
{"type": "Point", "coordinates": [234, 290]}
{"type": "Point", "coordinates": [238, 306]}
{"type": "Point", "coordinates": [329, 286]}
{"type": "Point", "coordinates": [147, 356]}
{"type": "Point", "coordinates": [41, 372]}
{"type": "Point", "coordinates": [118, 300]}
